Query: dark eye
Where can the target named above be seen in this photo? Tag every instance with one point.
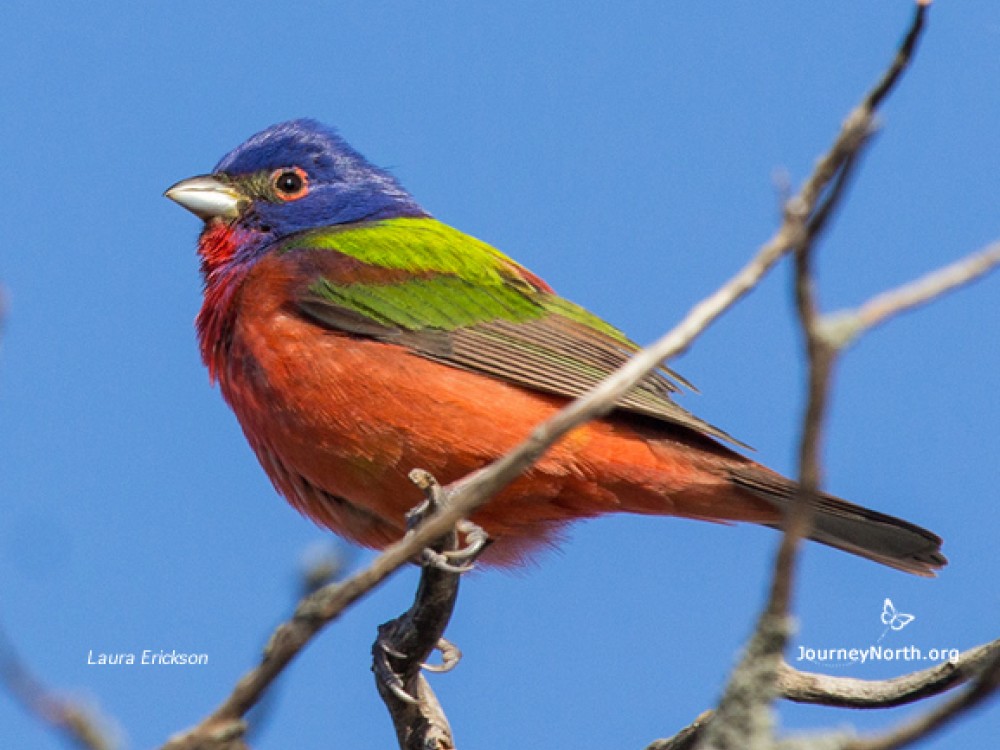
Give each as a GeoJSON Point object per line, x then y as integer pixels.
{"type": "Point", "coordinates": [290, 184]}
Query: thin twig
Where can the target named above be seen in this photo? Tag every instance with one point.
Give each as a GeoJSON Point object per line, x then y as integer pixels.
{"type": "Point", "coordinates": [981, 663]}
{"type": "Point", "coordinates": [841, 328]}
{"type": "Point", "coordinates": [903, 57]}
{"type": "Point", "coordinates": [820, 359]}
{"type": "Point", "coordinates": [821, 353]}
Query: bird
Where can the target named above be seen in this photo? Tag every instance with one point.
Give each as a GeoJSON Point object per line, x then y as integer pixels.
{"type": "Point", "coordinates": [356, 337]}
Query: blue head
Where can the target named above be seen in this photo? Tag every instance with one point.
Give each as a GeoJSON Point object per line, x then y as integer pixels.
{"type": "Point", "coordinates": [294, 176]}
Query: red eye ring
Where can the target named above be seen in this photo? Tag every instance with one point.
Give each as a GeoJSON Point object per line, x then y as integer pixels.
{"type": "Point", "coordinates": [290, 183]}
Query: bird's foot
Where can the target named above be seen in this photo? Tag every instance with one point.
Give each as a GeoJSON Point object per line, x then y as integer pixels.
{"type": "Point", "coordinates": [405, 644]}
{"type": "Point", "coordinates": [475, 539]}
{"type": "Point", "coordinates": [461, 560]}
{"type": "Point", "coordinates": [385, 653]}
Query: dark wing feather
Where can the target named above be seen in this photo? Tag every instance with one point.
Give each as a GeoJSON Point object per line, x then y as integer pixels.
{"type": "Point", "coordinates": [561, 356]}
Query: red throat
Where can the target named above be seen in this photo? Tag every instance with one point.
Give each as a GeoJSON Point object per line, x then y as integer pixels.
{"type": "Point", "coordinates": [217, 247]}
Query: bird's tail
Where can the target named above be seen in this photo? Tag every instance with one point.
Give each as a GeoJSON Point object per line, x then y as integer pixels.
{"type": "Point", "coordinates": [838, 523]}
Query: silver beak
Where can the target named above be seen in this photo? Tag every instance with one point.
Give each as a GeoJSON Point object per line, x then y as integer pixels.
{"type": "Point", "coordinates": [207, 197]}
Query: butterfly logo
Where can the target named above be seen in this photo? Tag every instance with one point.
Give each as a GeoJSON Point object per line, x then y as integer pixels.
{"type": "Point", "coordinates": [893, 618]}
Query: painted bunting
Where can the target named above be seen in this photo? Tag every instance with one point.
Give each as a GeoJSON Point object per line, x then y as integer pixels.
{"type": "Point", "coordinates": [356, 338]}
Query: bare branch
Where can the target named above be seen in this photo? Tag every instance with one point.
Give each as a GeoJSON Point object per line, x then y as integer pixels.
{"type": "Point", "coordinates": [79, 724]}
{"type": "Point", "coordinates": [847, 692]}
{"type": "Point", "coordinates": [741, 717]}
{"type": "Point", "coordinates": [840, 329]}
{"type": "Point", "coordinates": [820, 359]}
{"type": "Point", "coordinates": [903, 57]}
{"type": "Point", "coordinates": [744, 717]}
{"type": "Point", "coordinates": [731, 726]}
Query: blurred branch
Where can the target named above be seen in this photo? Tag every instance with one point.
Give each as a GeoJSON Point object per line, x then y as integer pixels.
{"type": "Point", "coordinates": [820, 360]}
{"type": "Point", "coordinates": [687, 737]}
{"type": "Point", "coordinates": [323, 563]}
{"type": "Point", "coordinates": [224, 729]}
{"type": "Point", "coordinates": [80, 725]}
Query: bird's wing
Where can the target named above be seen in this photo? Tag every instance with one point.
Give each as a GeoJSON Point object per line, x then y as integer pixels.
{"type": "Point", "coordinates": [447, 296]}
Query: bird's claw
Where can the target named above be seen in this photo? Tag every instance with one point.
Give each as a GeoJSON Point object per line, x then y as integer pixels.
{"type": "Point", "coordinates": [458, 561]}
{"type": "Point", "coordinates": [451, 655]}
{"type": "Point", "coordinates": [385, 674]}
{"type": "Point", "coordinates": [439, 560]}
{"type": "Point", "coordinates": [390, 651]}
{"type": "Point", "coordinates": [476, 540]}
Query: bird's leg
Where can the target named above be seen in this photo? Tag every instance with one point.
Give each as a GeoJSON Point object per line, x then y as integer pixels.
{"type": "Point", "coordinates": [405, 644]}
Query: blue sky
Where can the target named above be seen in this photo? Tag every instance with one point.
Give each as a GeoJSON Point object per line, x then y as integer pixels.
{"type": "Point", "coordinates": [625, 152]}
